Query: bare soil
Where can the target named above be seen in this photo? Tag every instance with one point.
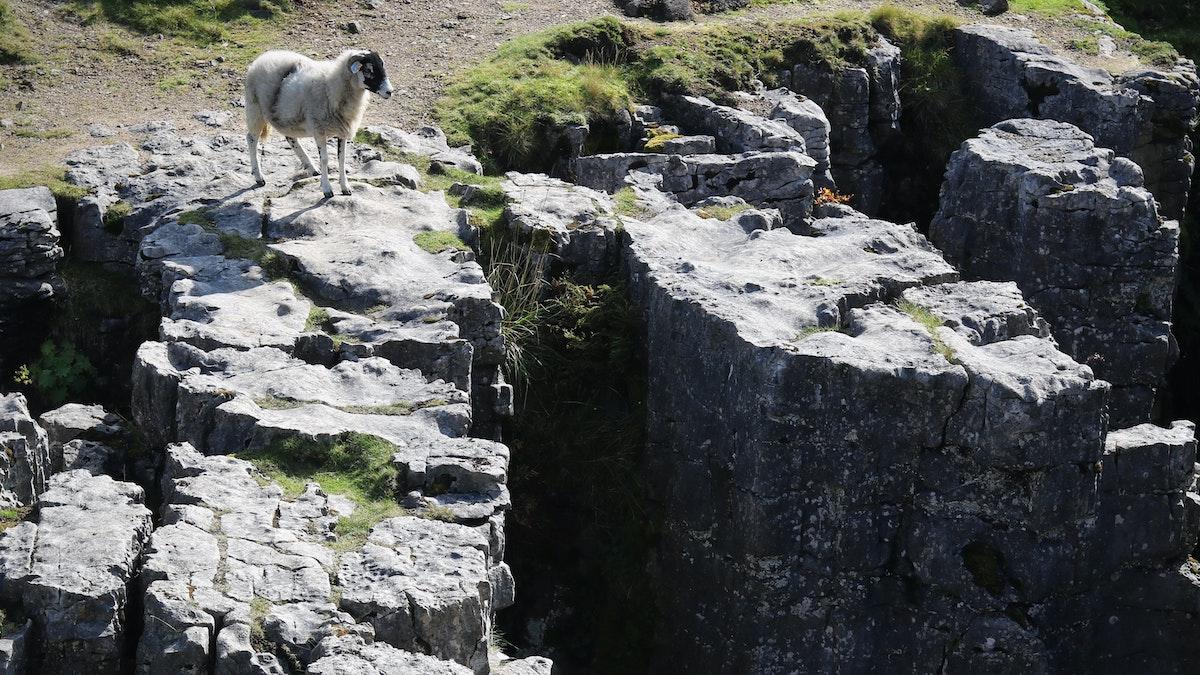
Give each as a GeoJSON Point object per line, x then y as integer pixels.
{"type": "Point", "coordinates": [77, 82]}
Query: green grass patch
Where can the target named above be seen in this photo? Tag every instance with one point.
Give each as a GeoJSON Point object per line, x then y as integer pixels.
{"type": "Point", "coordinates": [357, 466]}
{"type": "Point", "coordinates": [15, 44]}
{"type": "Point", "coordinates": [274, 266]}
{"type": "Point", "coordinates": [53, 177]}
{"type": "Point", "coordinates": [931, 323]}
{"type": "Point", "coordinates": [439, 241]}
{"type": "Point", "coordinates": [199, 21]}
{"type": "Point", "coordinates": [513, 7]}
{"type": "Point", "coordinates": [398, 408]}
{"type": "Point", "coordinates": [1047, 7]}
{"type": "Point", "coordinates": [318, 319]}
{"type": "Point", "coordinates": [44, 134]}
{"type": "Point", "coordinates": [513, 106]}
{"type": "Point", "coordinates": [627, 203]}
{"type": "Point", "coordinates": [722, 212]}
{"type": "Point", "coordinates": [115, 43]}
{"type": "Point", "coordinates": [658, 140]}
{"type": "Point", "coordinates": [10, 517]}
{"type": "Point", "coordinates": [114, 216]}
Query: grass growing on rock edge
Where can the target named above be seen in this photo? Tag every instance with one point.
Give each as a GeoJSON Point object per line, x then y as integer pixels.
{"type": "Point", "coordinates": [931, 323]}
{"type": "Point", "coordinates": [513, 106]}
{"type": "Point", "coordinates": [53, 177]}
{"type": "Point", "coordinates": [936, 113]}
{"type": "Point", "coordinates": [581, 534]}
{"type": "Point", "coordinates": [439, 241]}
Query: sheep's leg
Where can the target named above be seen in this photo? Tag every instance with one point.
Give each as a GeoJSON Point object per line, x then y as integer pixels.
{"type": "Point", "coordinates": [323, 148]}
{"type": "Point", "coordinates": [342, 166]}
{"type": "Point", "coordinates": [252, 145]}
{"type": "Point", "coordinates": [305, 162]}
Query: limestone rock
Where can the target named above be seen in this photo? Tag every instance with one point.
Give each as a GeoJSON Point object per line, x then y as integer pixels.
{"type": "Point", "coordinates": [25, 460]}
{"type": "Point", "coordinates": [351, 654]}
{"type": "Point", "coordinates": [29, 257]}
{"type": "Point", "coordinates": [1037, 203]}
{"type": "Point", "coordinates": [423, 585]}
{"type": "Point", "coordinates": [75, 587]}
{"type": "Point", "coordinates": [735, 130]}
{"type": "Point", "coordinates": [427, 141]}
{"type": "Point", "coordinates": [1144, 116]}
{"type": "Point", "coordinates": [87, 423]}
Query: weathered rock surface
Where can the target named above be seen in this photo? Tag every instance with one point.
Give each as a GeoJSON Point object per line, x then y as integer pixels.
{"type": "Point", "coordinates": [29, 256]}
{"type": "Point", "coordinates": [1144, 116]}
{"type": "Point", "coordinates": [25, 461]}
{"type": "Point", "coordinates": [1036, 202]}
{"type": "Point", "coordinates": [425, 585]}
{"type": "Point", "coordinates": [285, 316]}
{"type": "Point", "coordinates": [83, 424]}
{"type": "Point", "coordinates": [75, 587]}
{"type": "Point", "coordinates": [863, 108]}
{"type": "Point", "coordinates": [427, 141]}
{"type": "Point", "coordinates": [781, 180]}
{"type": "Point", "coordinates": [806, 117]}
{"type": "Point", "coordinates": [734, 129]}
{"type": "Point", "coordinates": [982, 490]}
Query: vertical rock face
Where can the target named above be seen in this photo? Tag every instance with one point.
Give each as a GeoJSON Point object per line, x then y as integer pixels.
{"type": "Point", "coordinates": [75, 586]}
{"type": "Point", "coordinates": [29, 256]}
{"type": "Point", "coordinates": [25, 461]}
{"type": "Point", "coordinates": [863, 108]}
{"type": "Point", "coordinates": [809, 523]}
{"type": "Point", "coordinates": [1144, 116]}
{"type": "Point", "coordinates": [1036, 202]}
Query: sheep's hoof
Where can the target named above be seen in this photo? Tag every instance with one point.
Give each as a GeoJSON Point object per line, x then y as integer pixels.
{"type": "Point", "coordinates": [260, 181]}
{"type": "Point", "coordinates": [346, 191]}
{"type": "Point", "coordinates": [328, 194]}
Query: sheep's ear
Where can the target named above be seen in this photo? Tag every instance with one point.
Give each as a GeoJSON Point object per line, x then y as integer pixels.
{"type": "Point", "coordinates": [355, 67]}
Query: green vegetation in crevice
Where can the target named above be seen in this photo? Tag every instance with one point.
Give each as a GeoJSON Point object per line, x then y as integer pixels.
{"type": "Point", "coordinates": [92, 332]}
{"type": "Point", "coordinates": [514, 106]}
{"type": "Point", "coordinates": [627, 203]}
{"type": "Point", "coordinates": [937, 116]}
{"type": "Point", "coordinates": [581, 534]}
{"type": "Point", "coordinates": [114, 216]}
{"type": "Point", "coordinates": [932, 324]}
{"type": "Point", "coordinates": [234, 245]}
{"type": "Point", "coordinates": [358, 466]}
{"type": "Point", "coordinates": [10, 517]}
{"type": "Point", "coordinates": [14, 37]}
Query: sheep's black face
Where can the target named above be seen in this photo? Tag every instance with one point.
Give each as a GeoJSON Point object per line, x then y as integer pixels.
{"type": "Point", "coordinates": [369, 68]}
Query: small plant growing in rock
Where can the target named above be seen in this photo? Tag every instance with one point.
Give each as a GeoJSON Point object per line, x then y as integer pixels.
{"type": "Point", "coordinates": [827, 196]}
{"type": "Point", "coordinates": [114, 216]}
{"type": "Point", "coordinates": [931, 323]}
{"type": "Point", "coordinates": [438, 512]}
{"type": "Point", "coordinates": [59, 373]}
{"type": "Point", "coordinates": [626, 203]}
{"type": "Point", "coordinates": [717, 212]}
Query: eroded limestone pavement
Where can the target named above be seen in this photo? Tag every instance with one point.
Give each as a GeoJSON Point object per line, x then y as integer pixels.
{"type": "Point", "coordinates": [867, 452]}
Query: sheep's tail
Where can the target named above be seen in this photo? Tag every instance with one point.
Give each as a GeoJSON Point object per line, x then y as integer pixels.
{"type": "Point", "coordinates": [256, 123]}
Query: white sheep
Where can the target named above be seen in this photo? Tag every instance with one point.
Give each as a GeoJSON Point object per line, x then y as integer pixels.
{"type": "Point", "coordinates": [301, 97]}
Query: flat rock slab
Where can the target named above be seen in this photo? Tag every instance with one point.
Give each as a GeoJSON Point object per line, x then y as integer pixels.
{"type": "Point", "coordinates": [76, 587]}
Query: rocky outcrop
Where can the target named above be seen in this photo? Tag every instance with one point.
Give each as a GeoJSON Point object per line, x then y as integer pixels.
{"type": "Point", "coordinates": [863, 109]}
{"type": "Point", "coordinates": [75, 588]}
{"type": "Point", "coordinates": [806, 117]}
{"type": "Point", "coordinates": [1143, 115]}
{"type": "Point", "coordinates": [85, 435]}
{"type": "Point", "coordinates": [780, 180]}
{"type": "Point", "coordinates": [242, 566]}
{"type": "Point", "coordinates": [290, 319]}
{"type": "Point", "coordinates": [29, 257]}
{"type": "Point", "coordinates": [734, 129]}
{"type": "Point", "coordinates": [25, 462]}
{"type": "Point", "coordinates": [1036, 202]}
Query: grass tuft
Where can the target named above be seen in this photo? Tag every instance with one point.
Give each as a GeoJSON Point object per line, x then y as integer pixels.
{"type": "Point", "coordinates": [722, 212]}
{"type": "Point", "coordinates": [439, 241]}
{"type": "Point", "coordinates": [514, 106]}
{"type": "Point", "coordinates": [627, 203]}
{"type": "Point", "coordinates": [199, 21]}
{"type": "Point", "coordinates": [357, 466]}
{"type": "Point", "coordinates": [931, 323]}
